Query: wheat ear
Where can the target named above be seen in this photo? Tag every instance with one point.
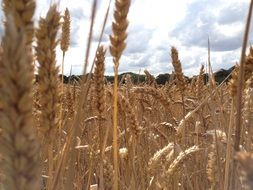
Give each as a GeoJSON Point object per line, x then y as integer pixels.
{"type": "Point", "coordinates": [233, 81]}
{"type": "Point", "coordinates": [200, 82]}
{"type": "Point", "coordinates": [22, 11]}
{"type": "Point", "coordinates": [150, 79]}
{"type": "Point", "coordinates": [155, 161]}
{"type": "Point", "coordinates": [178, 69]}
{"type": "Point", "coordinates": [248, 113]}
{"type": "Point", "coordinates": [100, 105]}
{"type": "Point", "coordinates": [177, 164]}
{"type": "Point", "coordinates": [48, 71]}
{"type": "Point", "coordinates": [18, 142]}
{"type": "Point", "coordinates": [65, 38]}
{"type": "Point", "coordinates": [48, 78]}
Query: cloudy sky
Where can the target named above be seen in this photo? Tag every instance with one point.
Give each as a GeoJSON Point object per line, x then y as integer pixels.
{"type": "Point", "coordinates": [155, 26]}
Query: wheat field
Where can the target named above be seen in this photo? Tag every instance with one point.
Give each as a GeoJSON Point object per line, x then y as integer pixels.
{"type": "Point", "coordinates": [91, 134]}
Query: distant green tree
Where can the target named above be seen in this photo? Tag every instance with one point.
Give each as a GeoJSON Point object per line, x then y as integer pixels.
{"type": "Point", "coordinates": [162, 78]}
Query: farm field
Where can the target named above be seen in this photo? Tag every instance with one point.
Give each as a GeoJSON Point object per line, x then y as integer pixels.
{"type": "Point", "coordinates": [121, 132]}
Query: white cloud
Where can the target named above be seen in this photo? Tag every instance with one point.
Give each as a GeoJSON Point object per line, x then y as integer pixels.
{"type": "Point", "coordinates": [154, 27]}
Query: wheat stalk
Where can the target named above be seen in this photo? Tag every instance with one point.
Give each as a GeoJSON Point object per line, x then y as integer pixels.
{"type": "Point", "coordinates": [240, 87]}
{"type": "Point", "coordinates": [181, 85]}
{"type": "Point", "coordinates": [117, 46]}
{"type": "Point", "coordinates": [65, 41]}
